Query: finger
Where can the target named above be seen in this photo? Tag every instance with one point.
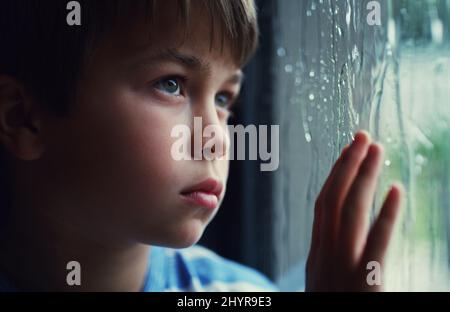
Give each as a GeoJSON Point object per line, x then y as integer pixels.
{"type": "Point", "coordinates": [381, 232]}
{"type": "Point", "coordinates": [338, 188]}
{"type": "Point", "coordinates": [311, 263]}
{"type": "Point", "coordinates": [315, 238]}
{"type": "Point", "coordinates": [355, 222]}
{"type": "Point", "coordinates": [326, 185]}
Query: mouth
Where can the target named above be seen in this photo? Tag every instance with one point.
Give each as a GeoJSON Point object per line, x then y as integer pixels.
{"type": "Point", "coordinates": [205, 194]}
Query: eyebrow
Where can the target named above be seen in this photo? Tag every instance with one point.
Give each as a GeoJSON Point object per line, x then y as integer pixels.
{"type": "Point", "coordinates": [190, 61]}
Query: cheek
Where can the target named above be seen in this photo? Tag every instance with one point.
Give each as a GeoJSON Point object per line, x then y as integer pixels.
{"type": "Point", "coordinates": [143, 155]}
{"type": "Point", "coordinates": [224, 167]}
{"type": "Point", "coordinates": [117, 155]}
{"type": "Point", "coordinates": [140, 150]}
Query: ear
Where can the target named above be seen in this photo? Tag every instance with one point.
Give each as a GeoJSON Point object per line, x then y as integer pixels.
{"type": "Point", "coordinates": [20, 124]}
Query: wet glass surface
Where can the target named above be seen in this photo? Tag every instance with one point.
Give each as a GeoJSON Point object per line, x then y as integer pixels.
{"type": "Point", "coordinates": [337, 73]}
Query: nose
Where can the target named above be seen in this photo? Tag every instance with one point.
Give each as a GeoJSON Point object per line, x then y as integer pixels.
{"type": "Point", "coordinates": [210, 138]}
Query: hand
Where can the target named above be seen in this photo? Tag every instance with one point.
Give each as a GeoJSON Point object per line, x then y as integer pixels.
{"type": "Point", "coordinates": [342, 243]}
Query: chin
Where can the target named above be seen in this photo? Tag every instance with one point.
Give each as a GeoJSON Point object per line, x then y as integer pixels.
{"type": "Point", "coordinates": [181, 235]}
{"type": "Point", "coordinates": [190, 235]}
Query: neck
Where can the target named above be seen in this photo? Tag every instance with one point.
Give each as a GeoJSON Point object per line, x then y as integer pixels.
{"type": "Point", "coordinates": [35, 252]}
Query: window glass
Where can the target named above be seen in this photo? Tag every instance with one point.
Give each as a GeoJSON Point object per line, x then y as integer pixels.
{"type": "Point", "coordinates": [339, 69]}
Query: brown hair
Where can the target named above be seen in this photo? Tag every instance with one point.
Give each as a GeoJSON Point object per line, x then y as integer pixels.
{"type": "Point", "coordinates": [238, 24]}
{"type": "Point", "coordinates": [40, 50]}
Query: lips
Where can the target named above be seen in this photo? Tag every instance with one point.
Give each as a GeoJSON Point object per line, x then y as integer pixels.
{"type": "Point", "coordinates": [205, 194]}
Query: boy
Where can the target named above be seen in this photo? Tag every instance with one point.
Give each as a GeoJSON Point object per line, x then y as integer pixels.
{"type": "Point", "coordinates": [86, 114]}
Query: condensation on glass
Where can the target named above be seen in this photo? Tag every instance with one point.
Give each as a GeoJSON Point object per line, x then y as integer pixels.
{"type": "Point", "coordinates": [337, 74]}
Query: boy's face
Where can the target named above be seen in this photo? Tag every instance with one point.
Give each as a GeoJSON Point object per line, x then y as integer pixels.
{"type": "Point", "coordinates": [114, 175]}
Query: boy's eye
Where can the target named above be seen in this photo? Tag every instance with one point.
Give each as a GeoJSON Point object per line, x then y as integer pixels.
{"type": "Point", "coordinates": [169, 85]}
{"type": "Point", "coordinates": [223, 100]}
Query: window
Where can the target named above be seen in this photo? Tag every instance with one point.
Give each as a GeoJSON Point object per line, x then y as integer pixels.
{"type": "Point", "coordinates": [322, 73]}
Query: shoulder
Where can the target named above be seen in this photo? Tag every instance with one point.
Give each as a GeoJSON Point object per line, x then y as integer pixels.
{"type": "Point", "coordinates": [199, 269]}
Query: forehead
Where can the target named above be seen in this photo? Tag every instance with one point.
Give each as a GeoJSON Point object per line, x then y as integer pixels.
{"type": "Point", "coordinates": [166, 30]}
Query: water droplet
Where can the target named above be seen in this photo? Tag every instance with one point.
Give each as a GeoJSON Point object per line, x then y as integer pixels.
{"type": "Point", "coordinates": [288, 68]}
{"type": "Point", "coordinates": [311, 96]}
{"type": "Point", "coordinates": [348, 15]}
{"type": "Point", "coordinates": [298, 81]}
{"type": "Point", "coordinates": [387, 162]}
{"type": "Point", "coordinates": [310, 118]}
{"type": "Point", "coordinates": [308, 13]}
{"type": "Point", "coordinates": [389, 51]}
{"type": "Point", "coordinates": [312, 74]}
{"type": "Point", "coordinates": [355, 53]}
{"type": "Point", "coordinates": [281, 52]}
{"type": "Point", "coordinates": [308, 137]}
{"type": "Point", "coordinates": [420, 160]}
{"type": "Point", "coordinates": [437, 30]}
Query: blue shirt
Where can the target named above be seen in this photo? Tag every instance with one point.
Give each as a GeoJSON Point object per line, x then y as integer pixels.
{"type": "Point", "coordinates": [199, 269]}
{"type": "Point", "coordinates": [192, 269]}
